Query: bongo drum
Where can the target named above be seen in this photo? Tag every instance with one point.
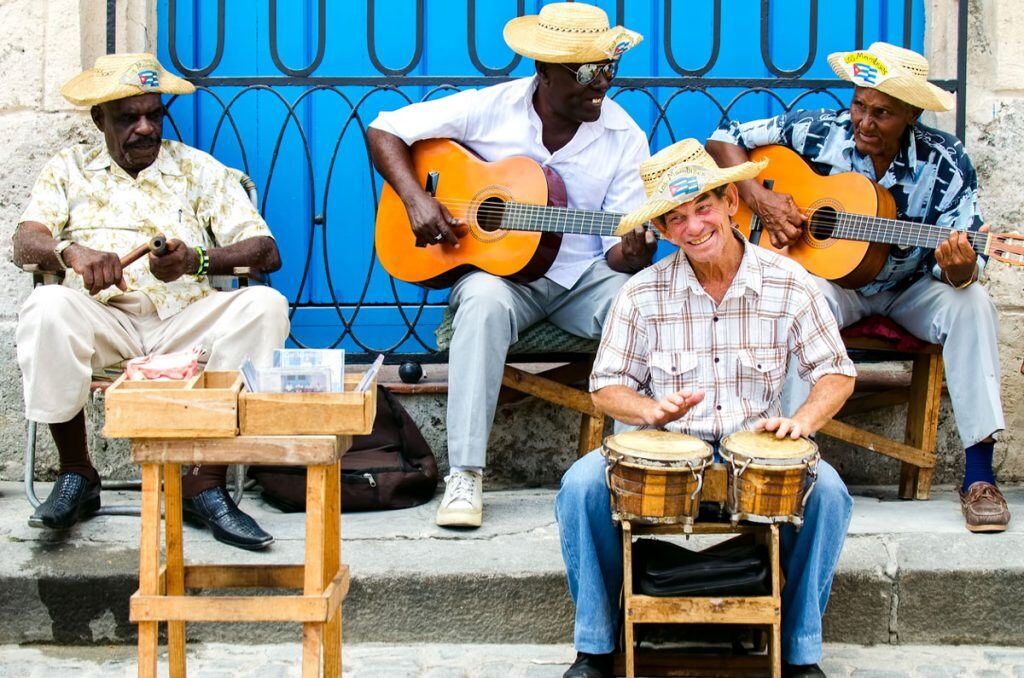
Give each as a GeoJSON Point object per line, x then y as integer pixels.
{"type": "Point", "coordinates": [655, 477]}
{"type": "Point", "coordinates": [770, 478]}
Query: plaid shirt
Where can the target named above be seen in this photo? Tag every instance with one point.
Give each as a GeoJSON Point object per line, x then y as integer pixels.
{"type": "Point", "coordinates": [931, 179]}
{"type": "Point", "coordinates": [665, 333]}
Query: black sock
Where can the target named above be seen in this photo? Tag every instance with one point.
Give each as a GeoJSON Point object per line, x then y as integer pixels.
{"type": "Point", "coordinates": [978, 465]}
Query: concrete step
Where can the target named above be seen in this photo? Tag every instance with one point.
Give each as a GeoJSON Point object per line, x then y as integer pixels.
{"type": "Point", "coordinates": [909, 573]}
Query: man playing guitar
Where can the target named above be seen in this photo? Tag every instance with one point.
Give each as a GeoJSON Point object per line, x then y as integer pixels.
{"type": "Point", "coordinates": [559, 117]}
{"type": "Point", "coordinates": [930, 293]}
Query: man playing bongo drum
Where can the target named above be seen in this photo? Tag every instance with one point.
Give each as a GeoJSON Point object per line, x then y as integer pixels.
{"type": "Point", "coordinates": [698, 344]}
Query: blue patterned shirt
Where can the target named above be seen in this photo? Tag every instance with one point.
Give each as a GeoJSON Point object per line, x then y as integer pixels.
{"type": "Point", "coordinates": [931, 178]}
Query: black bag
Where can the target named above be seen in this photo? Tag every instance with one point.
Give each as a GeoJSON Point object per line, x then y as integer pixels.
{"type": "Point", "coordinates": [732, 568]}
{"type": "Point", "coordinates": [393, 467]}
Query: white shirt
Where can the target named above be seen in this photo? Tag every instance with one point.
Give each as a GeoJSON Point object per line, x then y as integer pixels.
{"type": "Point", "coordinates": [600, 165]}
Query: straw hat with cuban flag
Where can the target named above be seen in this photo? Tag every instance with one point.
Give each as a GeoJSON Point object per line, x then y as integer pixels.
{"type": "Point", "coordinates": [118, 76]}
{"type": "Point", "coordinates": [569, 32]}
{"type": "Point", "coordinates": [677, 174]}
{"type": "Point", "coordinates": [900, 73]}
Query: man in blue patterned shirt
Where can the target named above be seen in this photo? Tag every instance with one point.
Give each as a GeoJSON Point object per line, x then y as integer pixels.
{"type": "Point", "coordinates": [932, 181]}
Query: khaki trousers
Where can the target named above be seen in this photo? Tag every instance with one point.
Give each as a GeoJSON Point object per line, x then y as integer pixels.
{"type": "Point", "coordinates": [64, 335]}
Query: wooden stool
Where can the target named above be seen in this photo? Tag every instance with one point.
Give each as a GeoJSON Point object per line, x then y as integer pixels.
{"type": "Point", "coordinates": [748, 610]}
{"type": "Point", "coordinates": [323, 580]}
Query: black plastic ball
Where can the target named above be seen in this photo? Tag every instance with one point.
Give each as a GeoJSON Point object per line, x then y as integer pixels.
{"type": "Point", "coordinates": [410, 372]}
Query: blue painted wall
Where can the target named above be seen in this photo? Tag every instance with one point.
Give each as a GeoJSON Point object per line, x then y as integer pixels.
{"type": "Point", "coordinates": [304, 146]}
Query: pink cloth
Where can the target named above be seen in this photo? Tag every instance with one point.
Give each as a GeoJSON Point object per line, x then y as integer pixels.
{"type": "Point", "coordinates": [880, 327]}
{"type": "Point", "coordinates": [182, 365]}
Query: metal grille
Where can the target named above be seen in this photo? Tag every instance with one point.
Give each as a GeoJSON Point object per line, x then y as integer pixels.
{"type": "Point", "coordinates": [752, 59]}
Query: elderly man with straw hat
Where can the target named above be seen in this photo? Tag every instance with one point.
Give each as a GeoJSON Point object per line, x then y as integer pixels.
{"type": "Point", "coordinates": [560, 117]}
{"type": "Point", "coordinates": [94, 202]}
{"type": "Point", "coordinates": [929, 292]}
{"type": "Point", "coordinates": [675, 355]}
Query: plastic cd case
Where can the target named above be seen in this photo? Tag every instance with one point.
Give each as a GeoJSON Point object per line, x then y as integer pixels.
{"type": "Point", "coordinates": [295, 379]}
{"type": "Point", "coordinates": [332, 360]}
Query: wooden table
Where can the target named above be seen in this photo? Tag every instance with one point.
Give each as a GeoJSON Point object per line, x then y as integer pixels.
{"type": "Point", "coordinates": [763, 611]}
{"type": "Point", "coordinates": [323, 580]}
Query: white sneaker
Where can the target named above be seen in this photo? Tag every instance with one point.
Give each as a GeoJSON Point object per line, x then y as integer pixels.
{"type": "Point", "coordinates": [463, 502]}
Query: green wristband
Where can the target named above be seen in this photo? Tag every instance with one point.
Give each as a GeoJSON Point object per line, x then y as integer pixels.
{"type": "Point", "coordinates": [204, 261]}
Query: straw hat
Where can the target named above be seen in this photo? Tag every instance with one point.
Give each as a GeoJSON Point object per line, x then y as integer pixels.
{"type": "Point", "coordinates": [677, 174]}
{"type": "Point", "coordinates": [117, 76]}
{"type": "Point", "coordinates": [898, 72]}
{"type": "Point", "coordinates": [569, 32]}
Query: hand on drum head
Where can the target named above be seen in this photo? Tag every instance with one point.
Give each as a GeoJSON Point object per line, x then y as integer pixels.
{"type": "Point", "coordinates": [783, 426]}
{"type": "Point", "coordinates": [671, 407]}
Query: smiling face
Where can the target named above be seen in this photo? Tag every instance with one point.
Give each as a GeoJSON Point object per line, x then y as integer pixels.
{"type": "Point", "coordinates": [879, 121]}
{"type": "Point", "coordinates": [566, 97]}
{"type": "Point", "coordinates": [132, 128]}
{"type": "Point", "coordinates": [702, 228]}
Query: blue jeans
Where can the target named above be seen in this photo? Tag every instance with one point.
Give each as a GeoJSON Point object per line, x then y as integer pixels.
{"type": "Point", "coordinates": [592, 550]}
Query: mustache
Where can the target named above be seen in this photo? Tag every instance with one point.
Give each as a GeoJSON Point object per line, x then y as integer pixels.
{"type": "Point", "coordinates": [144, 142]}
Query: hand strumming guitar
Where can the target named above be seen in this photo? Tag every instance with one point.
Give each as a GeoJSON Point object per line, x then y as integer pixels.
{"type": "Point", "coordinates": [780, 216]}
{"type": "Point", "coordinates": [431, 222]}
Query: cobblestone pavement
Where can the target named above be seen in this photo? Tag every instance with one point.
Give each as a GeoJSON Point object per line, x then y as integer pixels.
{"type": "Point", "coordinates": [478, 661]}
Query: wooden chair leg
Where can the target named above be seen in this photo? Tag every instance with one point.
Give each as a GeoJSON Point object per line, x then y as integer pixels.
{"type": "Point", "coordinates": [922, 423]}
{"type": "Point", "coordinates": [332, 561]}
{"type": "Point", "coordinates": [775, 647]}
{"type": "Point", "coordinates": [149, 565]}
{"type": "Point", "coordinates": [175, 566]}
{"type": "Point", "coordinates": [627, 593]}
{"type": "Point", "coordinates": [316, 498]}
{"type": "Point", "coordinates": [591, 433]}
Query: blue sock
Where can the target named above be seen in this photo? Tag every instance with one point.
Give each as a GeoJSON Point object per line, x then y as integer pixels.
{"type": "Point", "coordinates": [979, 465]}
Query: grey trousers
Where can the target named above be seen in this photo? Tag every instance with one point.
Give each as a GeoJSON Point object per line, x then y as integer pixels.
{"type": "Point", "coordinates": [964, 322]}
{"type": "Point", "coordinates": [490, 312]}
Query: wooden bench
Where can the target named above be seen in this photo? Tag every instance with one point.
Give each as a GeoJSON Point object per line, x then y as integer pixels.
{"type": "Point", "coordinates": [566, 386]}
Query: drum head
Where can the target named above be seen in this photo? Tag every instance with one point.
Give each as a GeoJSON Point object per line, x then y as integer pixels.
{"type": "Point", "coordinates": [658, 446]}
{"type": "Point", "coordinates": [762, 447]}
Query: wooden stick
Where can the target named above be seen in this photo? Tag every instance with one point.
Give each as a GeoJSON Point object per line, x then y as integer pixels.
{"type": "Point", "coordinates": [158, 245]}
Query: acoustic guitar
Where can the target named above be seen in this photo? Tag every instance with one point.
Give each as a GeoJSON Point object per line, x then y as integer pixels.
{"type": "Point", "coordinates": [851, 223]}
{"type": "Point", "coordinates": [514, 211]}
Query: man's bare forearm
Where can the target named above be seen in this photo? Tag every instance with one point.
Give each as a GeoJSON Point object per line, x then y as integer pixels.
{"type": "Point", "coordinates": [33, 244]}
{"type": "Point", "coordinates": [728, 155]}
{"type": "Point", "coordinates": [393, 159]}
{"type": "Point", "coordinates": [824, 401]}
{"type": "Point", "coordinates": [258, 253]}
{"type": "Point", "coordinates": [622, 404]}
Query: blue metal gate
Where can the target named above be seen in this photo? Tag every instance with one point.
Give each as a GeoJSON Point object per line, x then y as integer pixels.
{"type": "Point", "coordinates": [286, 90]}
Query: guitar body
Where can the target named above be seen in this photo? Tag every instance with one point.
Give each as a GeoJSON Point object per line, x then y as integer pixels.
{"type": "Point", "coordinates": [473, 190]}
{"type": "Point", "coordinates": [848, 263]}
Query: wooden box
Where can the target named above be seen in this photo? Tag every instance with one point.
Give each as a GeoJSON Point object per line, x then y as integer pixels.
{"type": "Point", "coordinates": [279, 414]}
{"type": "Point", "coordinates": [205, 406]}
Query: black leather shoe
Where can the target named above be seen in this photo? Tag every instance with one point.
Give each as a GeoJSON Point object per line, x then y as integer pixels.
{"type": "Point", "coordinates": [590, 666]}
{"type": "Point", "coordinates": [214, 508]}
{"type": "Point", "coordinates": [73, 497]}
{"type": "Point", "coordinates": [801, 671]}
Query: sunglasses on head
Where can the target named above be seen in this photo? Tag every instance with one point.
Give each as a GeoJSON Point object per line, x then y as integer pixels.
{"type": "Point", "coordinates": [587, 73]}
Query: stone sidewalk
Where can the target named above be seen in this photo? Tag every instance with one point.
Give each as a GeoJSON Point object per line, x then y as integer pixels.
{"type": "Point", "coordinates": [480, 661]}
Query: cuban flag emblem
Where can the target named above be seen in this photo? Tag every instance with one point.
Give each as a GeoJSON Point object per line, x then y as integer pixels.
{"type": "Point", "coordinates": [683, 186]}
{"type": "Point", "coordinates": [865, 73]}
{"type": "Point", "coordinates": [149, 79]}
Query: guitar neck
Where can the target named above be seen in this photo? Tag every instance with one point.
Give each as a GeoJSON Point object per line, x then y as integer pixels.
{"type": "Point", "coordinates": [898, 232]}
{"type": "Point", "coordinates": [523, 217]}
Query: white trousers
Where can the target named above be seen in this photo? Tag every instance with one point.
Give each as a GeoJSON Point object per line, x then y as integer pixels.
{"type": "Point", "coordinates": [964, 322]}
{"type": "Point", "coordinates": [490, 312]}
{"type": "Point", "coordinates": [64, 335]}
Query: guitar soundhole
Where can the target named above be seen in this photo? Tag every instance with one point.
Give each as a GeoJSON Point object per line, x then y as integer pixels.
{"type": "Point", "coordinates": [823, 223]}
{"type": "Point", "coordinates": [490, 213]}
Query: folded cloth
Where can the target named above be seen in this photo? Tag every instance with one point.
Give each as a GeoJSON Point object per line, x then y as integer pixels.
{"type": "Point", "coordinates": [181, 365]}
{"type": "Point", "coordinates": [732, 568]}
{"type": "Point", "coordinates": [880, 327]}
